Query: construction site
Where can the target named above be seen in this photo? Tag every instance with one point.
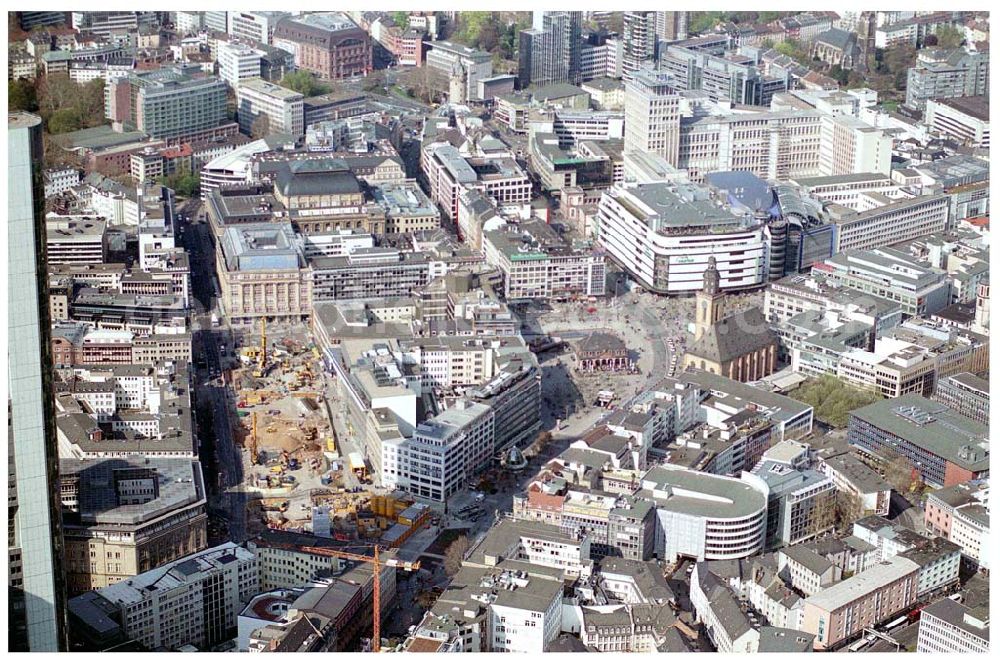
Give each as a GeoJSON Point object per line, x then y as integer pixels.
{"type": "Point", "coordinates": [295, 470]}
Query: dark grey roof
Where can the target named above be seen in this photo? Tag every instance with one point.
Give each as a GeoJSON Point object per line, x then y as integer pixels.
{"type": "Point", "coordinates": [778, 639]}
{"type": "Point", "coordinates": [837, 38]}
{"type": "Point", "coordinates": [734, 336]}
{"type": "Point", "coordinates": [310, 177]}
{"type": "Point", "coordinates": [954, 613]}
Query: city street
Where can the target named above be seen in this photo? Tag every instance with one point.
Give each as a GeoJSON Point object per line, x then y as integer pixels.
{"type": "Point", "coordinates": [219, 452]}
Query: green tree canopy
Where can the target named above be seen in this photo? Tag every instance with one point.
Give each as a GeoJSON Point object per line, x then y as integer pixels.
{"type": "Point", "coordinates": [401, 19]}
{"type": "Point", "coordinates": [303, 81]}
{"type": "Point", "coordinates": [21, 96]}
{"type": "Point", "coordinates": [64, 120]}
{"type": "Point", "coordinates": [948, 36]}
{"type": "Point", "coordinates": [832, 399]}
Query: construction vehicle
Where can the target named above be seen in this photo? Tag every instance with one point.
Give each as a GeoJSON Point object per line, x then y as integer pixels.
{"type": "Point", "coordinates": [262, 352]}
{"type": "Point", "coordinates": [276, 469]}
{"type": "Point", "coordinates": [357, 465]}
{"type": "Point", "coordinates": [377, 564]}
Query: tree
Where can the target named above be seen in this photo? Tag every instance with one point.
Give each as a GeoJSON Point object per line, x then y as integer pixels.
{"type": "Point", "coordinates": [183, 182]}
{"type": "Point", "coordinates": [539, 443]}
{"type": "Point", "coordinates": [21, 96]}
{"type": "Point", "coordinates": [401, 19]}
{"type": "Point", "coordinates": [848, 508]}
{"type": "Point", "coordinates": [303, 81]}
{"type": "Point", "coordinates": [468, 26]}
{"type": "Point", "coordinates": [948, 37]}
{"type": "Point", "coordinates": [454, 554]}
{"type": "Point", "coordinates": [794, 50]}
{"type": "Point", "coordinates": [64, 120]}
{"type": "Point", "coordinates": [832, 399]}
{"type": "Point", "coordinates": [823, 513]}
{"type": "Point", "coordinates": [261, 127]}
{"type": "Point", "coordinates": [900, 474]}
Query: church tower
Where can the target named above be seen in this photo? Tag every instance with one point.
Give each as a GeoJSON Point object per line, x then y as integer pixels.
{"type": "Point", "coordinates": [708, 301]}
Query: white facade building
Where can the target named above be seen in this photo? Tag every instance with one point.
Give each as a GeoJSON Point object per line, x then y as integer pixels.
{"type": "Point", "coordinates": [947, 626]}
{"type": "Point", "coordinates": [59, 180]}
{"type": "Point", "coordinates": [705, 516]}
{"type": "Point", "coordinates": [238, 63]}
{"type": "Point", "coordinates": [282, 107]}
{"type": "Point", "coordinates": [664, 235]}
{"type": "Point", "coordinates": [435, 462]}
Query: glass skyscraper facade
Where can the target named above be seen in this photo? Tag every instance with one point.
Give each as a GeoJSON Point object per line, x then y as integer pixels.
{"type": "Point", "coordinates": [38, 603]}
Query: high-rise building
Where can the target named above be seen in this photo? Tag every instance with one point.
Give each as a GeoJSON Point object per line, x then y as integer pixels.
{"type": "Point", "coordinates": [281, 106]}
{"type": "Point", "coordinates": [943, 73]}
{"type": "Point", "coordinates": [639, 32]}
{"type": "Point", "coordinates": [652, 115]}
{"type": "Point", "coordinates": [35, 538]}
{"type": "Point", "coordinates": [550, 51]}
{"type": "Point", "coordinates": [671, 25]}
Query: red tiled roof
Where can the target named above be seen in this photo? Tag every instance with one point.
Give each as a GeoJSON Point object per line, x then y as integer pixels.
{"type": "Point", "coordinates": [544, 501]}
{"type": "Point", "coordinates": [421, 644]}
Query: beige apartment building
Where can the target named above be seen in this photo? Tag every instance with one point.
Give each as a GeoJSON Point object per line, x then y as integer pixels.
{"type": "Point", "coordinates": [843, 610]}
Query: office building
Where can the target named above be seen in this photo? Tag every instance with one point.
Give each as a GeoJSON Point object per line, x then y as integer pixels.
{"type": "Point", "coordinates": [370, 273]}
{"type": "Point", "coordinates": [704, 516]}
{"type": "Point", "coordinates": [652, 115]}
{"type": "Point", "coordinates": [672, 26]}
{"type": "Point", "coordinates": [463, 65]}
{"type": "Point", "coordinates": [800, 501]}
{"type": "Point", "coordinates": [967, 394]}
{"type": "Point", "coordinates": [194, 601]}
{"type": "Point", "coordinates": [537, 263]}
{"type": "Point", "coordinates": [945, 447]}
{"type": "Point", "coordinates": [964, 119]}
{"type": "Point", "coordinates": [35, 554]}
{"type": "Point", "coordinates": [172, 103]}
{"type": "Point", "coordinates": [734, 79]}
{"type": "Point", "coordinates": [123, 517]}
{"type": "Point", "coordinates": [256, 98]}
{"type": "Point", "coordinates": [639, 41]}
{"type": "Point", "coordinates": [238, 63]}
{"type": "Point", "coordinates": [550, 51]}
{"type": "Point", "coordinates": [947, 74]}
{"type": "Point", "coordinates": [75, 240]}
{"type": "Point", "coordinates": [253, 26]}
{"type": "Point", "coordinates": [889, 274]}
{"type": "Point", "coordinates": [328, 44]}
{"type": "Point", "coordinates": [946, 626]}
{"type": "Point", "coordinates": [442, 454]}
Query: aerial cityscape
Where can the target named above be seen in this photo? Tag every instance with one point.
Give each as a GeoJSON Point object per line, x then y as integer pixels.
{"type": "Point", "coordinates": [496, 331]}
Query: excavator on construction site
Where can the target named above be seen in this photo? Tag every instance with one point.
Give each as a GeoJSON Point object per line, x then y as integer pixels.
{"type": "Point", "coordinates": [377, 564]}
